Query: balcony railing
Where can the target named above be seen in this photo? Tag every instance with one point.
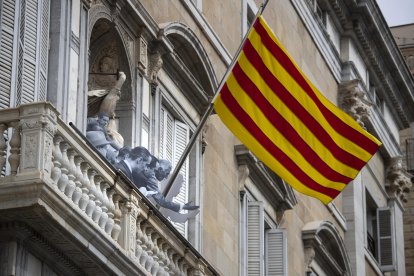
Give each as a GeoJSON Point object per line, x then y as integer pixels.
{"type": "Point", "coordinates": [64, 175]}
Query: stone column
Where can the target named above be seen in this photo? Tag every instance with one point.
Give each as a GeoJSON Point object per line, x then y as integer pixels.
{"type": "Point", "coordinates": [353, 211]}
{"type": "Point", "coordinates": [38, 124]}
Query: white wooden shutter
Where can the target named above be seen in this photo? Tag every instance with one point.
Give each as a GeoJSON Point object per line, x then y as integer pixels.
{"type": "Point", "coordinates": [166, 135]}
{"type": "Point", "coordinates": [174, 137]}
{"type": "Point", "coordinates": [28, 36]}
{"type": "Point", "coordinates": [32, 51]}
{"type": "Point", "coordinates": [181, 138]}
{"type": "Point", "coordinates": [7, 15]}
{"type": "Point", "coordinates": [386, 252]}
{"type": "Point", "coordinates": [276, 252]}
{"type": "Point", "coordinates": [44, 49]}
{"type": "Point", "coordinates": [255, 239]}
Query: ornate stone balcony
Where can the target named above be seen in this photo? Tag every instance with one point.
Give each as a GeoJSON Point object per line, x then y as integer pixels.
{"type": "Point", "coordinates": [73, 211]}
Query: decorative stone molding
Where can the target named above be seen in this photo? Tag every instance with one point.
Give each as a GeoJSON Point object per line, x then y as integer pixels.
{"type": "Point", "coordinates": [398, 180]}
{"type": "Point", "coordinates": [323, 244]}
{"type": "Point", "coordinates": [353, 101]}
{"type": "Point", "coordinates": [38, 124]}
{"type": "Point", "coordinates": [154, 65]}
{"type": "Point", "coordinates": [309, 256]}
{"type": "Point", "coordinates": [142, 54]}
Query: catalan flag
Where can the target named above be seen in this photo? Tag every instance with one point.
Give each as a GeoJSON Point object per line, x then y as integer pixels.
{"type": "Point", "coordinates": [271, 107]}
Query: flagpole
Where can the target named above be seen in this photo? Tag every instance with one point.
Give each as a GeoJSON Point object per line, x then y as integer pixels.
{"type": "Point", "coordinates": [210, 107]}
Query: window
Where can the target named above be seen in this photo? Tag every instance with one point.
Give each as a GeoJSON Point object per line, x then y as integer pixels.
{"type": "Point", "coordinates": [371, 217]}
{"type": "Point", "coordinates": [174, 136]}
{"type": "Point", "coordinates": [249, 13]}
{"type": "Point", "coordinates": [375, 98]}
{"type": "Point", "coordinates": [380, 234]}
{"type": "Point", "coordinates": [264, 244]}
{"type": "Point", "coordinates": [320, 13]}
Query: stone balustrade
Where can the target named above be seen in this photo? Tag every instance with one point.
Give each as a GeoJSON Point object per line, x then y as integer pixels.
{"type": "Point", "coordinates": [37, 145]}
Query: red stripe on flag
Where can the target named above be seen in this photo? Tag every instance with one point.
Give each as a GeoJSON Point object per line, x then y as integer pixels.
{"type": "Point", "coordinates": [341, 127]}
{"type": "Point", "coordinates": [280, 123]}
{"type": "Point", "coordinates": [301, 113]}
{"type": "Point", "coordinates": [278, 154]}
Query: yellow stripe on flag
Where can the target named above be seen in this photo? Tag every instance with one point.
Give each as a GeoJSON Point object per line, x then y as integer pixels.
{"type": "Point", "coordinates": [250, 142]}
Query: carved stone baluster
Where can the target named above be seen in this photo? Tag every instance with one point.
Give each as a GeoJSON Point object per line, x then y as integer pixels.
{"type": "Point", "coordinates": [90, 208]}
{"type": "Point", "coordinates": [139, 250]}
{"type": "Point", "coordinates": [170, 256]}
{"type": "Point", "coordinates": [84, 200]}
{"type": "Point", "coordinates": [57, 159]}
{"type": "Point", "coordinates": [181, 266]}
{"type": "Point", "coordinates": [162, 254]}
{"type": "Point", "coordinates": [15, 142]}
{"type": "Point", "coordinates": [3, 146]}
{"type": "Point", "coordinates": [64, 179]}
{"type": "Point", "coordinates": [144, 244]}
{"type": "Point", "coordinates": [175, 264]}
{"type": "Point", "coordinates": [184, 267]}
{"type": "Point", "coordinates": [155, 251]}
{"type": "Point", "coordinates": [150, 244]}
{"type": "Point", "coordinates": [70, 188]}
{"type": "Point", "coordinates": [117, 218]}
{"type": "Point", "coordinates": [77, 194]}
{"type": "Point", "coordinates": [105, 204]}
{"type": "Point", "coordinates": [111, 209]}
{"type": "Point", "coordinates": [98, 199]}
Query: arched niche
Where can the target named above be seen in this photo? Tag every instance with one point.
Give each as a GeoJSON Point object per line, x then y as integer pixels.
{"type": "Point", "coordinates": [189, 56]}
{"type": "Point", "coordinates": [325, 249]}
{"type": "Point", "coordinates": [108, 56]}
{"type": "Point", "coordinates": [106, 46]}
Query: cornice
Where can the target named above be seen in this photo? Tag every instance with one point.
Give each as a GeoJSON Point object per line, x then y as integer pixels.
{"type": "Point", "coordinates": [399, 82]}
{"type": "Point", "coordinates": [388, 87]}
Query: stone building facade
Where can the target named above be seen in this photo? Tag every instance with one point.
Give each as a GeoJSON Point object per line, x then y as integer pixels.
{"type": "Point", "coordinates": [404, 37]}
{"type": "Point", "coordinates": [64, 210]}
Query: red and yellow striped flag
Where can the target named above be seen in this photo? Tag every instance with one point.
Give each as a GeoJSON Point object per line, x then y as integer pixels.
{"type": "Point", "coordinates": [270, 105]}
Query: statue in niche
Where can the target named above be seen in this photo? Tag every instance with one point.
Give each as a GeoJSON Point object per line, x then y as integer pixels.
{"type": "Point", "coordinates": [105, 100]}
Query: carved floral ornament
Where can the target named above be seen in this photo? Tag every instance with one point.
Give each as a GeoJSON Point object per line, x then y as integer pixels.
{"type": "Point", "coordinates": [398, 180]}
{"type": "Point", "coordinates": [354, 102]}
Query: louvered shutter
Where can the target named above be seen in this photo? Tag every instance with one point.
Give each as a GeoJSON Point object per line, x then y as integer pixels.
{"type": "Point", "coordinates": [255, 239]}
{"type": "Point", "coordinates": [32, 51]}
{"type": "Point", "coordinates": [166, 135]}
{"type": "Point", "coordinates": [275, 252]}
{"type": "Point", "coordinates": [174, 137]}
{"type": "Point", "coordinates": [28, 39]}
{"type": "Point", "coordinates": [7, 12]}
{"type": "Point", "coordinates": [181, 138]}
{"type": "Point", "coordinates": [386, 252]}
{"type": "Point", "coordinates": [44, 50]}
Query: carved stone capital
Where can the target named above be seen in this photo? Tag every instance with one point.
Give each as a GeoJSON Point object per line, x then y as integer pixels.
{"type": "Point", "coordinates": [38, 116]}
{"type": "Point", "coordinates": [398, 180]}
{"type": "Point", "coordinates": [353, 101]}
